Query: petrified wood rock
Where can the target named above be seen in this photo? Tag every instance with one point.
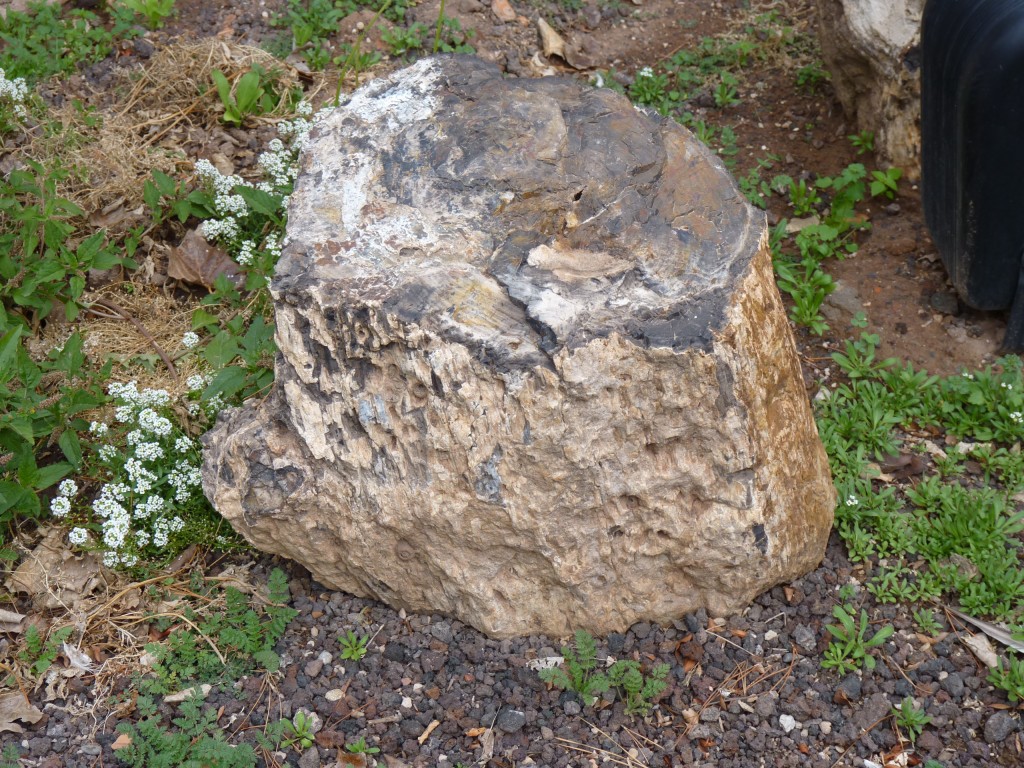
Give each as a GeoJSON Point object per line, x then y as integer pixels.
{"type": "Point", "coordinates": [534, 369]}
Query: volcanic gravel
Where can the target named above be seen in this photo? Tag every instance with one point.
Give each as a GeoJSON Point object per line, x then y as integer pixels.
{"type": "Point", "coordinates": [744, 691]}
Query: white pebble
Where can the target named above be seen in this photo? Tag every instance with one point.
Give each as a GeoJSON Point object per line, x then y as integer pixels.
{"type": "Point", "coordinates": [825, 726]}
{"type": "Point", "coordinates": [788, 722]}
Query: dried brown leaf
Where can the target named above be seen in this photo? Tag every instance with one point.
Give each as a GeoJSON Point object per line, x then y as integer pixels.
{"type": "Point", "coordinates": [14, 705]}
{"type": "Point", "coordinates": [551, 41]}
{"type": "Point", "coordinates": [197, 262]}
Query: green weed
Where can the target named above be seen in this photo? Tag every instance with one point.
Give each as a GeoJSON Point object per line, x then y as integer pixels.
{"type": "Point", "coordinates": [811, 77]}
{"type": "Point", "coordinates": [353, 646]}
{"type": "Point", "coordinates": [1009, 678]}
{"type": "Point", "coordinates": [46, 40]}
{"type": "Point", "coordinates": [299, 731]}
{"type": "Point", "coordinates": [155, 12]}
{"type": "Point", "coordinates": [222, 644]}
{"type": "Point", "coordinates": [909, 719]}
{"type": "Point", "coordinates": [195, 740]}
{"type": "Point", "coordinates": [360, 747]}
{"type": "Point", "coordinates": [39, 652]}
{"type": "Point", "coordinates": [885, 183]}
{"type": "Point", "coordinates": [252, 94]}
{"type": "Point", "coordinates": [851, 648]}
{"type": "Point", "coordinates": [863, 142]}
{"type": "Point", "coordinates": [580, 673]}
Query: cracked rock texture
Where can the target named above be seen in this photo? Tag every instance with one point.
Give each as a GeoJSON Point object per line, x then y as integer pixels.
{"type": "Point", "coordinates": [534, 371]}
{"type": "Point", "coordinates": [871, 48]}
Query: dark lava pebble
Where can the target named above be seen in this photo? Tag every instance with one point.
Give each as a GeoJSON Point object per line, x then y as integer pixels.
{"type": "Point", "coordinates": [746, 690]}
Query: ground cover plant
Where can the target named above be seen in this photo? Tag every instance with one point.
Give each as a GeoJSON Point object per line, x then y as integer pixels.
{"type": "Point", "coordinates": [928, 468]}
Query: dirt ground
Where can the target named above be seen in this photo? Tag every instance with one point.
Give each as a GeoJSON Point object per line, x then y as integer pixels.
{"type": "Point", "coordinates": [896, 279]}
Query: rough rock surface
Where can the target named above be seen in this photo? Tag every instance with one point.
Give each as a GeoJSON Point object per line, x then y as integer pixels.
{"type": "Point", "coordinates": [871, 47]}
{"type": "Point", "coordinates": [534, 369]}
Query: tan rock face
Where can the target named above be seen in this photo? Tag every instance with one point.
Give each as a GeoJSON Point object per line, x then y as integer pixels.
{"type": "Point", "coordinates": [871, 49]}
{"type": "Point", "coordinates": [534, 369]}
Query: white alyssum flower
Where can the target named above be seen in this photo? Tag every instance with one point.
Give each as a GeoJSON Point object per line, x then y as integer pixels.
{"type": "Point", "coordinates": [60, 506]}
{"type": "Point", "coordinates": [149, 451]}
{"type": "Point", "coordinates": [646, 72]}
{"type": "Point", "coordinates": [78, 536]}
{"type": "Point", "coordinates": [154, 423]}
{"type": "Point", "coordinates": [852, 501]}
{"type": "Point", "coordinates": [197, 382]}
{"type": "Point", "coordinates": [98, 428]}
{"type": "Point", "coordinates": [190, 340]}
{"type": "Point", "coordinates": [67, 488]}
{"type": "Point", "coordinates": [246, 253]}
{"type": "Point", "coordinates": [14, 91]}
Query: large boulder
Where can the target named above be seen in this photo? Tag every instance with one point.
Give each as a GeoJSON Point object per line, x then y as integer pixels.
{"type": "Point", "coordinates": [872, 49]}
{"type": "Point", "coordinates": [534, 371]}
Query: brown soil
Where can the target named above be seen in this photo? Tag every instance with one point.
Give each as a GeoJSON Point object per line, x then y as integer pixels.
{"type": "Point", "coordinates": [896, 278]}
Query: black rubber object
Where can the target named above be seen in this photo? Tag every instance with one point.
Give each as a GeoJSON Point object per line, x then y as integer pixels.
{"type": "Point", "coordinates": [972, 149]}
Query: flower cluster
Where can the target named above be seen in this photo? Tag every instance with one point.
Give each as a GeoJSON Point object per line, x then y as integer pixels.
{"type": "Point", "coordinates": [150, 482]}
{"type": "Point", "coordinates": [13, 94]}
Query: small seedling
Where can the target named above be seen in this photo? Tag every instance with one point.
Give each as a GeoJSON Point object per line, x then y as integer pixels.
{"type": "Point", "coordinates": [579, 673]}
{"type": "Point", "coordinates": [359, 747]}
{"type": "Point", "coordinates": [812, 77]}
{"type": "Point", "coordinates": [863, 142]}
{"type": "Point", "coordinates": [299, 732]}
{"type": "Point", "coordinates": [851, 648]}
{"type": "Point", "coordinates": [909, 719]}
{"type": "Point", "coordinates": [726, 94]}
{"type": "Point", "coordinates": [353, 646]}
{"type": "Point", "coordinates": [885, 182]}
{"type": "Point", "coordinates": [803, 198]}
{"type": "Point", "coordinates": [926, 621]}
{"type": "Point", "coordinates": [1009, 678]}
{"type": "Point", "coordinates": [640, 691]}
{"type": "Point", "coordinates": [39, 653]}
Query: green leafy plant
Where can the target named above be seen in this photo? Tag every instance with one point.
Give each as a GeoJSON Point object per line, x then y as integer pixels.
{"type": "Point", "coordinates": [404, 40]}
{"type": "Point", "coordinates": [224, 644]}
{"type": "Point", "coordinates": [353, 646]}
{"type": "Point", "coordinates": [155, 12]}
{"type": "Point", "coordinates": [39, 652]}
{"type": "Point", "coordinates": [579, 673]}
{"type": "Point", "coordinates": [1009, 678]}
{"type": "Point", "coordinates": [726, 94]}
{"type": "Point", "coordinates": [359, 747]}
{"type": "Point", "coordinates": [10, 756]}
{"type": "Point", "coordinates": [851, 648]}
{"type": "Point", "coordinates": [885, 182]}
{"type": "Point", "coordinates": [652, 90]}
{"type": "Point", "coordinates": [925, 619]}
{"type": "Point", "coordinates": [909, 719]}
{"type": "Point", "coordinates": [863, 142]}
{"type": "Point", "coordinates": [811, 77]}
{"type": "Point", "coordinates": [195, 741]}
{"type": "Point", "coordinates": [802, 198]}
{"type": "Point", "coordinates": [45, 40]}
{"type": "Point", "coordinates": [252, 94]}
{"type": "Point", "coordinates": [640, 690]}
{"type": "Point", "coordinates": [299, 732]}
